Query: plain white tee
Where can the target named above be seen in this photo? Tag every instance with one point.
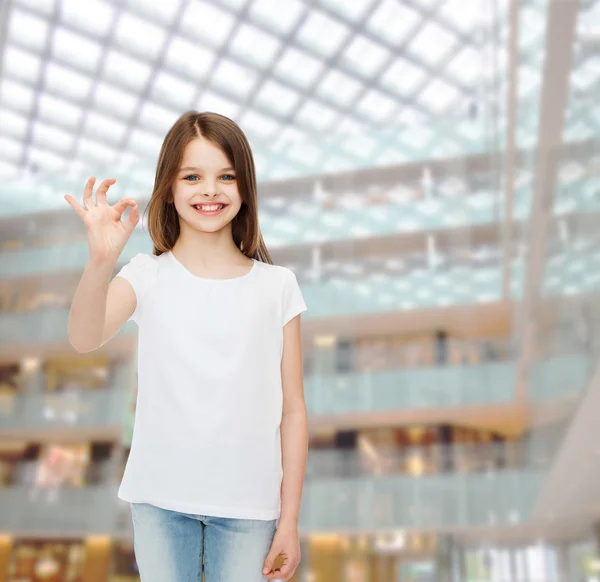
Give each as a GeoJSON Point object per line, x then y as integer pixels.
{"type": "Point", "coordinates": [206, 437]}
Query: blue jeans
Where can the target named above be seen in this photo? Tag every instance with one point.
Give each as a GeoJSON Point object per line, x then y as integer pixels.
{"type": "Point", "coordinates": [170, 546]}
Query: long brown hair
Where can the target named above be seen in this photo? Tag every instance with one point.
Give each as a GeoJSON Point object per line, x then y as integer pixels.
{"type": "Point", "coordinates": [163, 221]}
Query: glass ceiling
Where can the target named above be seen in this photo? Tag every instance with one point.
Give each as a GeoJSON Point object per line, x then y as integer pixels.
{"type": "Point", "coordinates": [318, 87]}
{"type": "Point", "coordinates": [323, 88]}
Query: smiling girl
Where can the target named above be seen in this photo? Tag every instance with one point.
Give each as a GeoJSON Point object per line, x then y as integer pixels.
{"type": "Point", "coordinates": [215, 473]}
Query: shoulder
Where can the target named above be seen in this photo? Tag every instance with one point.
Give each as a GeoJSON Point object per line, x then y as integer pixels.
{"type": "Point", "coordinates": [145, 260]}
{"type": "Point", "coordinates": [278, 272]}
{"type": "Point", "coordinates": [141, 267]}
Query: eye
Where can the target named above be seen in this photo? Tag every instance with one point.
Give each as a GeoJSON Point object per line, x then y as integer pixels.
{"type": "Point", "coordinates": [228, 177]}
{"type": "Point", "coordinates": [191, 176]}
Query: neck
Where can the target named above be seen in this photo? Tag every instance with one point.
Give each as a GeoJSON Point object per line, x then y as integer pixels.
{"type": "Point", "coordinates": [207, 248]}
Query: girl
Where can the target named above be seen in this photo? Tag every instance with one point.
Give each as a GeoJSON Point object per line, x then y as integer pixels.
{"type": "Point", "coordinates": [214, 478]}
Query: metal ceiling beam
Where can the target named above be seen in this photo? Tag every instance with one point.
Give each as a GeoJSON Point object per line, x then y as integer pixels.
{"type": "Point", "coordinates": [157, 65]}
{"type": "Point", "coordinates": [511, 134]}
{"type": "Point", "coordinates": [39, 84]}
{"type": "Point", "coordinates": [5, 9]}
{"type": "Point", "coordinates": [89, 101]}
{"type": "Point", "coordinates": [560, 38]}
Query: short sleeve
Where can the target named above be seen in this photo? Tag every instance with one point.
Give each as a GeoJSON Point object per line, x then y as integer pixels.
{"type": "Point", "coordinates": [293, 301]}
{"type": "Point", "coordinates": [140, 271]}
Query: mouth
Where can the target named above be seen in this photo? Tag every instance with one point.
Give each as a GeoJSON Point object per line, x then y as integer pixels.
{"type": "Point", "coordinates": [209, 209]}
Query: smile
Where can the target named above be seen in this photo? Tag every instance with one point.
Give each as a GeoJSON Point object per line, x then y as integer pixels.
{"type": "Point", "coordinates": [209, 209]}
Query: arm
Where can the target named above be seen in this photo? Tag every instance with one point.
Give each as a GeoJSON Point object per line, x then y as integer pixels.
{"type": "Point", "coordinates": [294, 424]}
{"type": "Point", "coordinates": [294, 446]}
{"type": "Point", "coordinates": [99, 309]}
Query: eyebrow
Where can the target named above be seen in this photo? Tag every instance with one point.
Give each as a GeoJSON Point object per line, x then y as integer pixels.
{"type": "Point", "coordinates": [196, 168]}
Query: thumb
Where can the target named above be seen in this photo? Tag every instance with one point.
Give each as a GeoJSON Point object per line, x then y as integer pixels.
{"type": "Point", "coordinates": [269, 560]}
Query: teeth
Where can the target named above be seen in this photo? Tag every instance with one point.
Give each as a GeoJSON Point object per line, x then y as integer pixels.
{"type": "Point", "coordinates": [210, 208]}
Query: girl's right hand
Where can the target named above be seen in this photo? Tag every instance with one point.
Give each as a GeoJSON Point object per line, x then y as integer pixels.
{"type": "Point", "coordinates": [107, 234]}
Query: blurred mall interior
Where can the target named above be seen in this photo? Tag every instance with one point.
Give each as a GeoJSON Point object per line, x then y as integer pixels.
{"type": "Point", "coordinates": [429, 170]}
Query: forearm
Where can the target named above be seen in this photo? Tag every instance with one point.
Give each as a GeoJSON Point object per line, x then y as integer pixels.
{"type": "Point", "coordinates": [294, 446]}
{"type": "Point", "coordinates": [88, 309]}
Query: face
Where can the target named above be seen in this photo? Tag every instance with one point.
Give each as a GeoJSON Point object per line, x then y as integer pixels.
{"type": "Point", "coordinates": [205, 190]}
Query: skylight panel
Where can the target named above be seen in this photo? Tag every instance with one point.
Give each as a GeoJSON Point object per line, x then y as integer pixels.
{"type": "Point", "coordinates": [250, 43]}
{"type": "Point", "coordinates": [95, 16]}
{"type": "Point", "coordinates": [463, 15]}
{"type": "Point", "coordinates": [59, 111]}
{"type": "Point", "coordinates": [365, 56]}
{"type": "Point", "coordinates": [431, 43]}
{"type": "Point", "coordinates": [92, 150]}
{"type": "Point", "coordinates": [11, 149]}
{"type": "Point", "coordinates": [393, 21]}
{"type": "Point", "coordinates": [317, 116]}
{"type": "Point", "coordinates": [438, 95]}
{"type": "Point", "coordinates": [173, 90]}
{"type": "Point", "coordinates": [16, 96]}
{"type": "Point", "coordinates": [188, 58]}
{"type": "Point", "coordinates": [14, 125]}
{"type": "Point", "coordinates": [281, 17]}
{"type": "Point", "coordinates": [42, 6]}
{"type": "Point", "coordinates": [298, 67]}
{"type": "Point", "coordinates": [114, 101]}
{"type": "Point", "coordinates": [125, 70]}
{"type": "Point", "coordinates": [466, 66]}
{"type": "Point", "coordinates": [304, 153]}
{"type": "Point", "coordinates": [339, 88]}
{"type": "Point", "coordinates": [355, 10]}
{"type": "Point", "coordinates": [349, 125]}
{"type": "Point", "coordinates": [27, 30]}
{"type": "Point", "coordinates": [76, 49]}
{"type": "Point", "coordinates": [377, 106]}
{"type": "Point", "coordinates": [67, 82]}
{"type": "Point", "coordinates": [403, 77]}
{"type": "Point", "coordinates": [145, 143]}
{"type": "Point", "coordinates": [363, 144]}
{"type": "Point", "coordinates": [157, 118]}
{"type": "Point", "coordinates": [207, 23]}
{"type": "Point", "coordinates": [257, 124]}
{"type": "Point", "coordinates": [45, 159]}
{"type": "Point", "coordinates": [21, 65]}
{"type": "Point", "coordinates": [322, 33]}
{"type": "Point", "coordinates": [147, 40]}
{"type": "Point", "coordinates": [47, 136]}
{"type": "Point", "coordinates": [104, 127]}
{"type": "Point", "coordinates": [163, 12]}
{"type": "Point", "coordinates": [233, 78]}
{"type": "Point", "coordinates": [210, 101]}
{"type": "Point", "coordinates": [275, 96]}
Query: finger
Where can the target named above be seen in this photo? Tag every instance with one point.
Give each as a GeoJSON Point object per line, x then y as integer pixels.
{"type": "Point", "coordinates": [269, 562]}
{"type": "Point", "coordinates": [285, 571]}
{"type": "Point", "coordinates": [122, 205]}
{"type": "Point", "coordinates": [103, 189]}
{"type": "Point", "coordinates": [87, 192]}
{"type": "Point", "coordinates": [133, 218]}
{"type": "Point", "coordinates": [74, 204]}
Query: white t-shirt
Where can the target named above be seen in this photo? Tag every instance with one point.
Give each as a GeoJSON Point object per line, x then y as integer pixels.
{"type": "Point", "coordinates": [206, 438]}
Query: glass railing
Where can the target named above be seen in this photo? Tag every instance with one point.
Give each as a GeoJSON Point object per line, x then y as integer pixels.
{"type": "Point", "coordinates": [98, 408]}
{"type": "Point", "coordinates": [360, 503]}
{"type": "Point", "coordinates": [411, 389]}
{"type": "Point", "coordinates": [569, 272]}
{"type": "Point", "coordinates": [87, 510]}
{"type": "Point", "coordinates": [457, 500]}
{"type": "Point", "coordinates": [334, 394]}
